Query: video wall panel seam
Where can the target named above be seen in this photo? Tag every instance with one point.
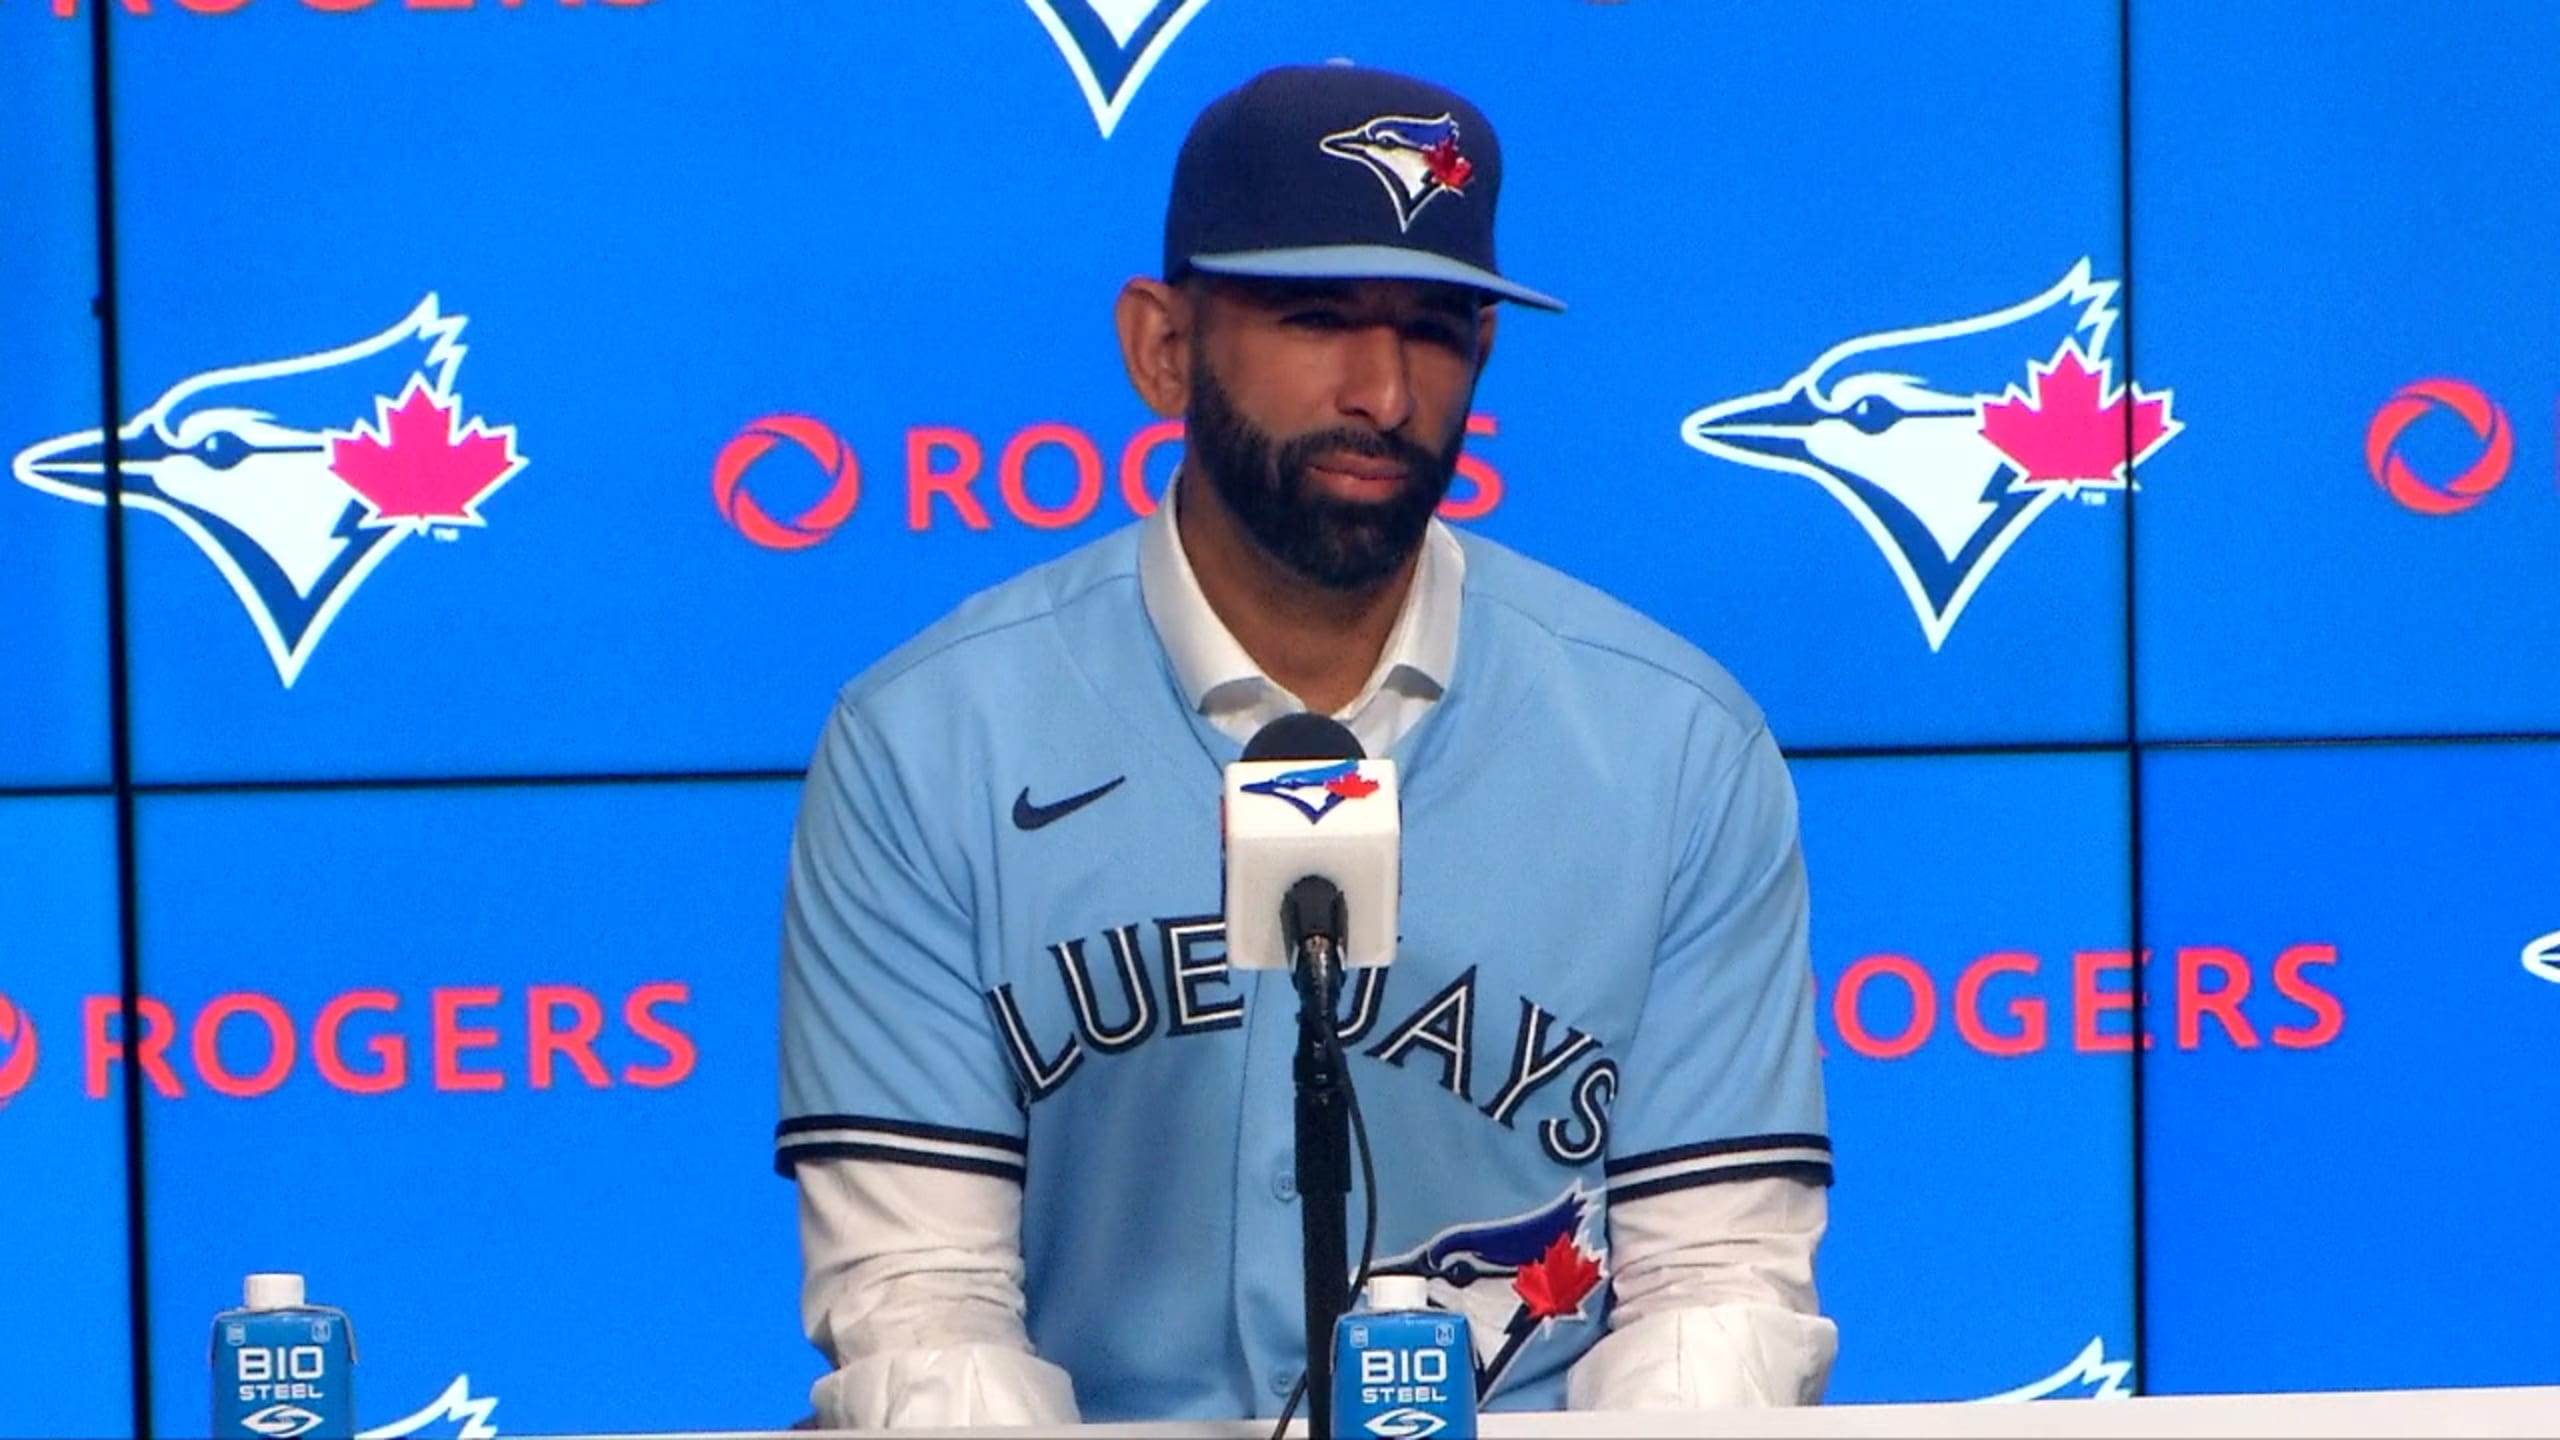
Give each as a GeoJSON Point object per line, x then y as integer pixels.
{"type": "Point", "coordinates": [106, 315]}
{"type": "Point", "coordinates": [2138, 1256]}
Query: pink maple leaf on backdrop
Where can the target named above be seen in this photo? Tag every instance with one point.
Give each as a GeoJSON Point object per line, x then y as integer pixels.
{"type": "Point", "coordinates": [2068, 429]}
{"type": "Point", "coordinates": [419, 464]}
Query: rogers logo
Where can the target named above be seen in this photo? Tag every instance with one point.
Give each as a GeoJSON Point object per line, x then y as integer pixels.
{"type": "Point", "coordinates": [2391, 470]}
{"type": "Point", "coordinates": [1887, 1006]}
{"type": "Point", "coordinates": [829, 510]}
{"type": "Point", "coordinates": [372, 1042]}
{"type": "Point", "coordinates": [18, 1041]}
{"type": "Point", "coordinates": [947, 470]}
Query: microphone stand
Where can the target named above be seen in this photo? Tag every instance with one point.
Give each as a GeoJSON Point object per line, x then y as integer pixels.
{"type": "Point", "coordinates": [1312, 924]}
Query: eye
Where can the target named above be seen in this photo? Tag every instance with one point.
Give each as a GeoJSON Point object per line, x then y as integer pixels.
{"type": "Point", "coordinates": [222, 450]}
{"type": "Point", "coordinates": [1447, 334]}
{"type": "Point", "coordinates": [1874, 414]}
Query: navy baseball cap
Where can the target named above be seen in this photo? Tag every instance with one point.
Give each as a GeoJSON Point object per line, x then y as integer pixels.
{"type": "Point", "coordinates": [1340, 172]}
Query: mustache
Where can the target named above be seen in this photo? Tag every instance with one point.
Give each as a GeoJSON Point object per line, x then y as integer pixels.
{"type": "Point", "coordinates": [1296, 453]}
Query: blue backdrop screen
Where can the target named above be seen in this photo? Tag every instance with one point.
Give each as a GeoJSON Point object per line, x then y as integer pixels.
{"type": "Point", "coordinates": [68, 1339]}
{"type": "Point", "coordinates": [1978, 1069]}
{"type": "Point", "coordinates": [534, 410]}
{"type": "Point", "coordinates": [2365, 552]}
{"type": "Point", "coordinates": [513, 1049]}
{"type": "Point", "coordinates": [2299, 1239]}
{"type": "Point", "coordinates": [53, 548]}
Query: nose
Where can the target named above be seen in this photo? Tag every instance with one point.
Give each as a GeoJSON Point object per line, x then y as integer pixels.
{"type": "Point", "coordinates": [1377, 384]}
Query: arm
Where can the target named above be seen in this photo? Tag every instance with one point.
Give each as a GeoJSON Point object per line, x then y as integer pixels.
{"type": "Point", "coordinates": [1715, 1302]}
{"type": "Point", "coordinates": [1720, 1154]}
{"type": "Point", "coordinates": [900, 1119]}
{"type": "Point", "coordinates": [912, 1289]}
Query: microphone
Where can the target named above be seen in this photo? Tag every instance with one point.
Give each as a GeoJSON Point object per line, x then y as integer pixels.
{"type": "Point", "coordinates": [1313, 834]}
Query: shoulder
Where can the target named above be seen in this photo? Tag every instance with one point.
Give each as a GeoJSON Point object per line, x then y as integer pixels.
{"type": "Point", "coordinates": [1620, 655]}
{"type": "Point", "coordinates": [998, 637]}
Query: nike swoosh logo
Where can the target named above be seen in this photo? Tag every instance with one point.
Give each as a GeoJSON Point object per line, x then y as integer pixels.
{"type": "Point", "coordinates": [1027, 816]}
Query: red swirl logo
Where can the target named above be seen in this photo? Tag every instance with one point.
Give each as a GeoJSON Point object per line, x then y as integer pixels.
{"type": "Point", "coordinates": [810, 526]}
{"type": "Point", "coordinates": [2392, 472]}
{"type": "Point", "coordinates": [18, 1037]}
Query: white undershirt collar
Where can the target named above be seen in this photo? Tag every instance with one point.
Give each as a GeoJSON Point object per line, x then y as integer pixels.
{"type": "Point", "coordinates": [1231, 692]}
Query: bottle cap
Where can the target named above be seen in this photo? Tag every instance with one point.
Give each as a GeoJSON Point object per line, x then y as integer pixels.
{"type": "Point", "coordinates": [273, 1292]}
{"type": "Point", "coordinates": [1399, 1292]}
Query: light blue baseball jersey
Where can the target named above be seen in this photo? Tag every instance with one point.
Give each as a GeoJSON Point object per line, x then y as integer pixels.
{"type": "Point", "coordinates": [1002, 955]}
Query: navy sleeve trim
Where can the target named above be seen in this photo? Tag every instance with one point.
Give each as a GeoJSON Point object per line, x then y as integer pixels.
{"type": "Point", "coordinates": [906, 1142]}
{"type": "Point", "coordinates": [907, 1129]}
{"type": "Point", "coordinates": [1711, 1162]}
{"type": "Point", "coordinates": [785, 1160]}
{"type": "Point", "coordinates": [1742, 1145]}
{"type": "Point", "coordinates": [1805, 1170]}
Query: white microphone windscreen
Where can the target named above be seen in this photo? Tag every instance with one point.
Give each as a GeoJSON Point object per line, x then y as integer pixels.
{"type": "Point", "coordinates": [1288, 819]}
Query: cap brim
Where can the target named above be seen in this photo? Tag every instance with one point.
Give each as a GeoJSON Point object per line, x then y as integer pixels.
{"type": "Point", "coordinates": [1369, 262]}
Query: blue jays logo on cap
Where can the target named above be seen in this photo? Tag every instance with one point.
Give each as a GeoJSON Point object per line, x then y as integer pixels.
{"type": "Point", "coordinates": [1265, 186]}
{"type": "Point", "coordinates": [1416, 159]}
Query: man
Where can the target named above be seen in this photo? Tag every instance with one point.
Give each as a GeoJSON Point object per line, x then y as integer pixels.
{"type": "Point", "coordinates": [1043, 1136]}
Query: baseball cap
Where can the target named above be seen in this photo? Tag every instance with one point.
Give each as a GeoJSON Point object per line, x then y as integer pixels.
{"type": "Point", "coordinates": [1340, 172]}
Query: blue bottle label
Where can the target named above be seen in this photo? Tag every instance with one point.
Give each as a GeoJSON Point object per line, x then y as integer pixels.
{"type": "Point", "coordinates": [1404, 1375]}
{"type": "Point", "coordinates": [283, 1374]}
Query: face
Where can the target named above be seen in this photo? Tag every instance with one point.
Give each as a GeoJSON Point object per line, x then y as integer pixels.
{"type": "Point", "coordinates": [1328, 416]}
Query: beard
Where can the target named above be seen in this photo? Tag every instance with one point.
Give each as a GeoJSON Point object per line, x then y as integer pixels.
{"type": "Point", "coordinates": [1344, 545]}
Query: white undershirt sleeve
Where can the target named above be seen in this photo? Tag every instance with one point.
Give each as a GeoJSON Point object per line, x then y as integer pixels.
{"type": "Point", "coordinates": [912, 1288]}
{"type": "Point", "coordinates": [1715, 1302]}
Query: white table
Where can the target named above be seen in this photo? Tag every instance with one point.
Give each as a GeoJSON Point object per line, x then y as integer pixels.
{"type": "Point", "coordinates": [2522, 1411]}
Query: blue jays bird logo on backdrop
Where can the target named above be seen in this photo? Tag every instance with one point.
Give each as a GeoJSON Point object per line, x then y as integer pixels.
{"type": "Point", "coordinates": [298, 477]}
{"type": "Point", "coordinates": [1513, 1278]}
{"type": "Point", "coordinates": [1318, 788]}
{"type": "Point", "coordinates": [1416, 158]}
{"type": "Point", "coordinates": [1111, 45]}
{"type": "Point", "coordinates": [1948, 441]}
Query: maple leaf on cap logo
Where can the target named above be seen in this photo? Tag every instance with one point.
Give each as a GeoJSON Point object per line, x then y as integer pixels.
{"type": "Point", "coordinates": [1451, 169]}
{"type": "Point", "coordinates": [1555, 1284]}
{"type": "Point", "coordinates": [418, 464]}
{"type": "Point", "coordinates": [2067, 429]}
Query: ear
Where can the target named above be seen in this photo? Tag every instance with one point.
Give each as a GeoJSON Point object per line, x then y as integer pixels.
{"type": "Point", "coordinates": [1155, 324]}
{"type": "Point", "coordinates": [1484, 337]}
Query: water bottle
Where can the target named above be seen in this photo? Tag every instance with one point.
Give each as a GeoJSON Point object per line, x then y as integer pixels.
{"type": "Point", "coordinates": [1402, 1370]}
{"type": "Point", "coordinates": [283, 1368]}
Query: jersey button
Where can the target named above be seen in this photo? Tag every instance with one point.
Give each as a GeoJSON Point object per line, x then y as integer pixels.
{"type": "Point", "coordinates": [1285, 1185]}
{"type": "Point", "coordinates": [1284, 1382]}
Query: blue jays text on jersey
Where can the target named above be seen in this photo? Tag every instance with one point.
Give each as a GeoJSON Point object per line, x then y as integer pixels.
{"type": "Point", "coordinates": [1602, 990]}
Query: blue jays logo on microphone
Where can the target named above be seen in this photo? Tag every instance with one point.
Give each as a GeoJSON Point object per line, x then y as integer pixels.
{"type": "Point", "coordinates": [1513, 1278]}
{"type": "Point", "coordinates": [298, 477]}
{"type": "Point", "coordinates": [1316, 789]}
{"type": "Point", "coordinates": [1111, 45]}
{"type": "Point", "coordinates": [1947, 441]}
{"type": "Point", "coordinates": [1416, 159]}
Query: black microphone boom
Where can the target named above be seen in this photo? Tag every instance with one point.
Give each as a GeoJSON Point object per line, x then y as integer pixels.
{"type": "Point", "coordinates": [1313, 925]}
